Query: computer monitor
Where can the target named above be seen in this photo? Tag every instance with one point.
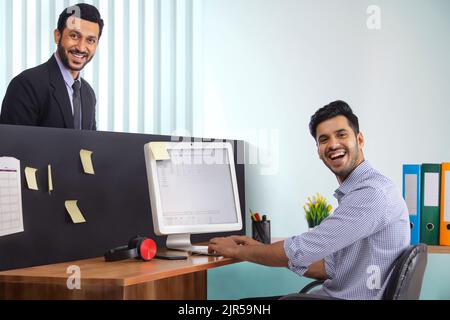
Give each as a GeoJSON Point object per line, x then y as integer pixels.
{"type": "Point", "coordinates": [192, 190]}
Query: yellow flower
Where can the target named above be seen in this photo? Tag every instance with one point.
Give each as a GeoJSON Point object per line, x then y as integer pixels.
{"type": "Point", "coordinates": [316, 209]}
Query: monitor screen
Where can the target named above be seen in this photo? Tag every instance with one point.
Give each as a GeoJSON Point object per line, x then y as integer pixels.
{"type": "Point", "coordinates": [206, 188]}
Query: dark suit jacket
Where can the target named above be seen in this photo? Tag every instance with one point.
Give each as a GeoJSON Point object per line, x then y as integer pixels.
{"type": "Point", "coordinates": [38, 97]}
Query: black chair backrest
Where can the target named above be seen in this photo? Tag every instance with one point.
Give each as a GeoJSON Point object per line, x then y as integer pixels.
{"type": "Point", "coordinates": [406, 278]}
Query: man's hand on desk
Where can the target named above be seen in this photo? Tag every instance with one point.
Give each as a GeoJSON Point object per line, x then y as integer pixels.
{"type": "Point", "coordinates": [247, 249]}
{"type": "Point", "coordinates": [228, 247]}
{"type": "Point", "coordinates": [246, 241]}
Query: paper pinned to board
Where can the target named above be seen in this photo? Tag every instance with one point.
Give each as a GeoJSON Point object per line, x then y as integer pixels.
{"type": "Point", "coordinates": [30, 176]}
{"type": "Point", "coordinates": [159, 151]}
{"type": "Point", "coordinates": [86, 160]}
{"type": "Point", "coordinates": [11, 216]}
{"type": "Point", "coordinates": [50, 179]}
{"type": "Point", "coordinates": [74, 211]}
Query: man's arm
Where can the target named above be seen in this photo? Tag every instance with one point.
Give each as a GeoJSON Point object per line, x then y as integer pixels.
{"type": "Point", "coordinates": [269, 255]}
{"type": "Point", "coordinates": [20, 106]}
{"type": "Point", "coordinates": [244, 248]}
{"type": "Point", "coordinates": [273, 255]}
{"type": "Point", "coordinates": [317, 271]}
{"type": "Point", "coordinates": [361, 214]}
{"type": "Point", "coordinates": [247, 249]}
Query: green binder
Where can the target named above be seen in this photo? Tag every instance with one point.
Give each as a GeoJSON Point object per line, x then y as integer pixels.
{"type": "Point", "coordinates": [430, 196]}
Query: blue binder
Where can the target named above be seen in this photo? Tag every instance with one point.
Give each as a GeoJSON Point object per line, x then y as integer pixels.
{"type": "Point", "coordinates": [412, 196]}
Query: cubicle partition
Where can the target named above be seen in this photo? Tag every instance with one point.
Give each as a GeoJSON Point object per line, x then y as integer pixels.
{"type": "Point", "coordinates": [114, 201]}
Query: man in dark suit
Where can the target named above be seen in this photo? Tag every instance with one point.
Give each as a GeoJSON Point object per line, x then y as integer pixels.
{"type": "Point", "coordinates": [53, 94]}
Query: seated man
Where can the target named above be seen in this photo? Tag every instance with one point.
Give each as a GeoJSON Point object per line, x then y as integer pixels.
{"type": "Point", "coordinates": [355, 248]}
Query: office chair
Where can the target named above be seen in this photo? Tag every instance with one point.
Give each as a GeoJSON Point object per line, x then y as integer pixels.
{"type": "Point", "coordinates": [406, 278]}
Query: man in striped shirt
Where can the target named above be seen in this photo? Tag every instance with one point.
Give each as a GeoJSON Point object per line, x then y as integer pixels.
{"type": "Point", "coordinates": [355, 248]}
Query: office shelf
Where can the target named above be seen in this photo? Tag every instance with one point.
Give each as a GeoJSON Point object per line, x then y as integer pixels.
{"type": "Point", "coordinates": [438, 249]}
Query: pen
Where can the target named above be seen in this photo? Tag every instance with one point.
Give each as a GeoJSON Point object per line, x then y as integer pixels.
{"type": "Point", "coordinates": [251, 213]}
{"type": "Point", "coordinates": [258, 218]}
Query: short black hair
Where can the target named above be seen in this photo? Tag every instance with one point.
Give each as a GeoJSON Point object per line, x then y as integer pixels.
{"type": "Point", "coordinates": [86, 11]}
{"type": "Point", "coordinates": [333, 109]}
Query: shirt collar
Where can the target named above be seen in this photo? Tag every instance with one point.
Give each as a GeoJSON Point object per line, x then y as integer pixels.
{"type": "Point", "coordinates": [354, 177]}
{"type": "Point", "coordinates": [68, 79]}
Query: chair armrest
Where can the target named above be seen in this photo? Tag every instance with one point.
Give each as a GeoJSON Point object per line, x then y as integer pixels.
{"type": "Point", "coordinates": [311, 285]}
{"type": "Point", "coordinates": [305, 296]}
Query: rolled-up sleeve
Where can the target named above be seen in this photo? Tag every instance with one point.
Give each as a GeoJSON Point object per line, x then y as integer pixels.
{"type": "Point", "coordinates": [290, 249]}
{"type": "Point", "coordinates": [361, 213]}
{"type": "Point", "coordinates": [329, 266]}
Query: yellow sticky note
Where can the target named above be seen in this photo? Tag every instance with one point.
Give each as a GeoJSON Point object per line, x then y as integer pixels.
{"type": "Point", "coordinates": [50, 179]}
{"type": "Point", "coordinates": [159, 150]}
{"type": "Point", "coordinates": [30, 175]}
{"type": "Point", "coordinates": [86, 160]}
{"type": "Point", "coordinates": [74, 211]}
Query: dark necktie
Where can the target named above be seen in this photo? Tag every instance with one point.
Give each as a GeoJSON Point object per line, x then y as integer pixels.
{"type": "Point", "coordinates": [76, 100]}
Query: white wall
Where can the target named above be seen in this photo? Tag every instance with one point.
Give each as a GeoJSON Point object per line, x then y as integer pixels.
{"type": "Point", "coordinates": [269, 64]}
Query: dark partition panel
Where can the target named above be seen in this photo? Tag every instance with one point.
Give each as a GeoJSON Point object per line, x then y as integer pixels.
{"type": "Point", "coordinates": [114, 201]}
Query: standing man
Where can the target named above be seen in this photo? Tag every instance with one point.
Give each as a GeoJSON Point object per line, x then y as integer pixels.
{"type": "Point", "coordinates": [355, 248]}
{"type": "Point", "coordinates": [53, 94]}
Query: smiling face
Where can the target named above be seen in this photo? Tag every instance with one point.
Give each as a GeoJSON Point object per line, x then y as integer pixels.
{"type": "Point", "coordinates": [77, 44]}
{"type": "Point", "coordinates": [338, 146]}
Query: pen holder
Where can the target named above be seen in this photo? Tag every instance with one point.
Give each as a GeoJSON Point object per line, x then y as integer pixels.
{"type": "Point", "coordinates": [261, 231]}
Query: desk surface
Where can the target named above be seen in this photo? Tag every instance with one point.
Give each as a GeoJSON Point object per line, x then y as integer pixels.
{"type": "Point", "coordinates": [120, 273]}
{"type": "Point", "coordinates": [124, 273]}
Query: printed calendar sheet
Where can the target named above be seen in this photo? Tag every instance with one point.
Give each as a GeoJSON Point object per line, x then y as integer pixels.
{"type": "Point", "coordinates": [11, 217]}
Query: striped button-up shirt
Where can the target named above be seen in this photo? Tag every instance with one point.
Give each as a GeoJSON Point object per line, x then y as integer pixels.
{"type": "Point", "coordinates": [360, 241]}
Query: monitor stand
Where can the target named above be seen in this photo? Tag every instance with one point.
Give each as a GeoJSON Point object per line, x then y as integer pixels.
{"type": "Point", "coordinates": [182, 242]}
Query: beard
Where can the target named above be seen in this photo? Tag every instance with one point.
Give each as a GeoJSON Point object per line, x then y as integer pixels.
{"type": "Point", "coordinates": [353, 162]}
{"type": "Point", "coordinates": [65, 59]}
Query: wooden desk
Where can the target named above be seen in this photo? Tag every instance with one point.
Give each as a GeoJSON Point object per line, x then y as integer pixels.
{"type": "Point", "coordinates": [123, 280]}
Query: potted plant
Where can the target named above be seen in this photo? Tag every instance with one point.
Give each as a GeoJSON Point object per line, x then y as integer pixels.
{"type": "Point", "coordinates": [316, 210]}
